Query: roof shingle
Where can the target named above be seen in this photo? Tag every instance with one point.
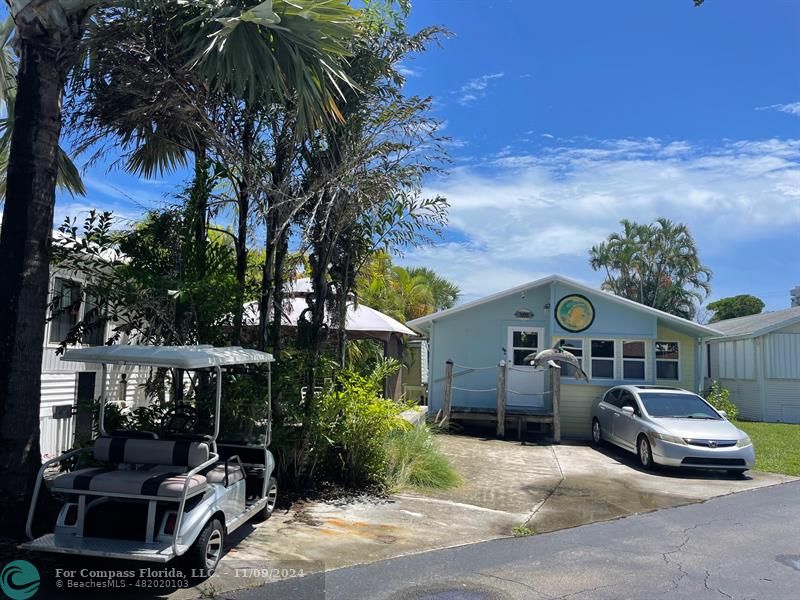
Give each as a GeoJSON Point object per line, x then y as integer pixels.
{"type": "Point", "coordinates": [744, 326]}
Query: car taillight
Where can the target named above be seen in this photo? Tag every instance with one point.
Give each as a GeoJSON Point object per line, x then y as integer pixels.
{"type": "Point", "coordinates": [72, 515]}
{"type": "Point", "coordinates": [169, 526]}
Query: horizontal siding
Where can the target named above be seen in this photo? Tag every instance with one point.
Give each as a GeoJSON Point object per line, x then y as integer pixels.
{"type": "Point", "coordinates": [782, 401]}
{"type": "Point", "coordinates": [576, 409]}
{"type": "Point", "coordinates": [686, 358]}
{"type": "Point", "coordinates": [744, 394]}
{"type": "Point", "coordinates": [55, 435]}
{"type": "Point", "coordinates": [783, 355]}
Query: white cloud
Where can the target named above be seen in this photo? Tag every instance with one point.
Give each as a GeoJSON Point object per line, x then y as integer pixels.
{"type": "Point", "coordinates": [475, 88]}
{"type": "Point", "coordinates": [407, 71]}
{"type": "Point", "coordinates": [516, 217]}
{"type": "Point", "coordinates": [793, 108]}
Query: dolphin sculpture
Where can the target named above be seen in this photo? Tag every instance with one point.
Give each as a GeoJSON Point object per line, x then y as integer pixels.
{"type": "Point", "coordinates": [553, 356]}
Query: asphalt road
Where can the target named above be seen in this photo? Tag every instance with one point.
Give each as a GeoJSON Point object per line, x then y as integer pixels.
{"type": "Point", "coordinates": [746, 545]}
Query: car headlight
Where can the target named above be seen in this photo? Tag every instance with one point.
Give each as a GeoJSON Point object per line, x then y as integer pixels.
{"type": "Point", "coordinates": [673, 439]}
{"type": "Point", "coordinates": [744, 442]}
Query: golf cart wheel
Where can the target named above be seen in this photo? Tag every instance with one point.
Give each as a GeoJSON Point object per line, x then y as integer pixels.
{"type": "Point", "coordinates": [206, 552]}
{"type": "Point", "coordinates": [597, 434]}
{"type": "Point", "coordinates": [644, 452]}
{"type": "Point", "coordinates": [272, 499]}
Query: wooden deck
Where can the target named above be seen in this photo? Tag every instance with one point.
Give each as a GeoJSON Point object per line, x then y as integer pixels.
{"type": "Point", "coordinates": [502, 413]}
{"type": "Point", "coordinates": [513, 416]}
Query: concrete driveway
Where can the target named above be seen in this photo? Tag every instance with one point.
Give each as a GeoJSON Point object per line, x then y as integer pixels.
{"type": "Point", "coordinates": [506, 484]}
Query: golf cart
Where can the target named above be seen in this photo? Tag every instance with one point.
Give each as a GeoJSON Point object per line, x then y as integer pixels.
{"type": "Point", "coordinates": [178, 491]}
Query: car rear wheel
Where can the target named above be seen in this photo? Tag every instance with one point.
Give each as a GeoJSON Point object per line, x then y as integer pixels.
{"type": "Point", "coordinates": [272, 499]}
{"type": "Point", "coordinates": [206, 552]}
{"type": "Point", "coordinates": [597, 434]}
{"type": "Point", "coordinates": [644, 452]}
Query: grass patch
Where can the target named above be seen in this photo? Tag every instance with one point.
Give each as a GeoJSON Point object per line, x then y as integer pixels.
{"type": "Point", "coordinates": [522, 531]}
{"type": "Point", "coordinates": [414, 460]}
{"type": "Point", "coordinates": [777, 446]}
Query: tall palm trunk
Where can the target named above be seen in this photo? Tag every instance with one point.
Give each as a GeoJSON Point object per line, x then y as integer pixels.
{"type": "Point", "coordinates": [24, 271]}
{"type": "Point", "coordinates": [197, 234]}
{"type": "Point", "coordinates": [243, 204]}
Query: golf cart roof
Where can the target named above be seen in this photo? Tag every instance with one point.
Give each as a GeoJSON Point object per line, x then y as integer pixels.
{"type": "Point", "coordinates": [178, 357]}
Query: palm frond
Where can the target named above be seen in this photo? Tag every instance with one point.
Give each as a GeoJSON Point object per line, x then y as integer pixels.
{"type": "Point", "coordinates": [68, 177]}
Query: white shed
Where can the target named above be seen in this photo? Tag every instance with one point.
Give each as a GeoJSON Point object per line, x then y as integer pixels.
{"type": "Point", "coordinates": [758, 360]}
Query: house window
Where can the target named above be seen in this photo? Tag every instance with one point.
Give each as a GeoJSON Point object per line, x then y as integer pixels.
{"type": "Point", "coordinates": [667, 360]}
{"type": "Point", "coordinates": [633, 361]}
{"type": "Point", "coordinates": [524, 343]}
{"type": "Point", "coordinates": [95, 317]}
{"type": "Point", "coordinates": [64, 309]}
{"type": "Point", "coordinates": [602, 359]}
{"type": "Point", "coordinates": [574, 346]}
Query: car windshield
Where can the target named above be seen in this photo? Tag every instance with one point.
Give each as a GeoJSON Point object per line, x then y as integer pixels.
{"type": "Point", "coordinates": [677, 406]}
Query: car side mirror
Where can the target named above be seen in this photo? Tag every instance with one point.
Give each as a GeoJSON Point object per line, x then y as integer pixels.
{"type": "Point", "coordinates": [723, 413]}
{"type": "Point", "coordinates": [628, 410]}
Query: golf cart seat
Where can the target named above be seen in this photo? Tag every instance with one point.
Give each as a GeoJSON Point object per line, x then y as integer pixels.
{"type": "Point", "coordinates": [144, 482]}
{"type": "Point", "coordinates": [146, 467]}
{"type": "Point", "coordinates": [235, 472]}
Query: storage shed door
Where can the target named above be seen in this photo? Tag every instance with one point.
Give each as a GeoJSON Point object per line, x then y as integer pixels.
{"type": "Point", "coordinates": [524, 383]}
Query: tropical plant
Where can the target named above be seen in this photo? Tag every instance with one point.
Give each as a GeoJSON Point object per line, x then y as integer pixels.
{"type": "Point", "coordinates": [414, 460]}
{"type": "Point", "coordinates": [353, 424]}
{"type": "Point", "coordinates": [656, 265]}
{"type": "Point", "coordinates": [742, 305]}
{"type": "Point", "coordinates": [445, 293]}
{"type": "Point", "coordinates": [403, 293]}
{"type": "Point", "coordinates": [720, 398]}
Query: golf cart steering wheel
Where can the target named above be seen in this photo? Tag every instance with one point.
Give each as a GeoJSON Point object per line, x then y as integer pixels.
{"type": "Point", "coordinates": [179, 419]}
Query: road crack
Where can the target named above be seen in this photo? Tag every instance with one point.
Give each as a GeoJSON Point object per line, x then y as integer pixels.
{"type": "Point", "coordinates": [708, 587]}
{"type": "Point", "coordinates": [525, 585]}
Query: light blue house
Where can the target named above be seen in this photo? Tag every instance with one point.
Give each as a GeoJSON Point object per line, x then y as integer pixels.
{"type": "Point", "coordinates": [617, 341]}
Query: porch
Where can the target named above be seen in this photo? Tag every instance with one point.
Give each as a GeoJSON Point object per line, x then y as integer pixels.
{"type": "Point", "coordinates": [513, 408]}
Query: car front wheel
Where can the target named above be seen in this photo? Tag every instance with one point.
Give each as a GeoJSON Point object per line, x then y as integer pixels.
{"type": "Point", "coordinates": [645, 452]}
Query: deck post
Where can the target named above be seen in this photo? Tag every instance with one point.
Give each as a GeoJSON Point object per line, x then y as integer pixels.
{"type": "Point", "coordinates": [448, 391]}
{"type": "Point", "coordinates": [501, 399]}
{"type": "Point", "coordinates": [555, 390]}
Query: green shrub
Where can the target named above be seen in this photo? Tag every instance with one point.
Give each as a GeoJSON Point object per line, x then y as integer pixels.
{"type": "Point", "coordinates": [720, 398]}
{"type": "Point", "coordinates": [353, 424]}
{"type": "Point", "coordinates": [414, 460]}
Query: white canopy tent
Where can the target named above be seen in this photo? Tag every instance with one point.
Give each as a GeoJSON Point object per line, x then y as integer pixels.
{"type": "Point", "coordinates": [361, 320]}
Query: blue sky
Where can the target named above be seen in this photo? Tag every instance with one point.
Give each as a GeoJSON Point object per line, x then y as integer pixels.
{"type": "Point", "coordinates": [565, 117]}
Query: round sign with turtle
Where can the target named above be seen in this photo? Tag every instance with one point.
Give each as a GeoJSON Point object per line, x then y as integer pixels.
{"type": "Point", "coordinates": [575, 313]}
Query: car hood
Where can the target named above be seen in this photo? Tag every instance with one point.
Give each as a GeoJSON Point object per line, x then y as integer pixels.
{"type": "Point", "coordinates": [700, 428]}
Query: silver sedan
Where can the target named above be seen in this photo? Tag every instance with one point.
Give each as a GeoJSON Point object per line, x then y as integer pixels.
{"type": "Point", "coordinates": [670, 426]}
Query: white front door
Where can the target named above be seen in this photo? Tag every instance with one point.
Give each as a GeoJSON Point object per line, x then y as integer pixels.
{"type": "Point", "coordinates": [524, 383]}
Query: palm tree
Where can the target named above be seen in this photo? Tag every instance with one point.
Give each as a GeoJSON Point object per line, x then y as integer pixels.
{"type": "Point", "coordinates": [258, 50]}
{"type": "Point", "coordinates": [68, 177]}
{"type": "Point", "coordinates": [47, 36]}
{"type": "Point", "coordinates": [413, 294]}
{"type": "Point", "coordinates": [445, 293]}
{"type": "Point", "coordinates": [656, 264]}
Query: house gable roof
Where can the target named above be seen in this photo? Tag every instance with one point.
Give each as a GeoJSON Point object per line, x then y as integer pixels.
{"type": "Point", "coordinates": [423, 323]}
{"type": "Point", "coordinates": [757, 325]}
